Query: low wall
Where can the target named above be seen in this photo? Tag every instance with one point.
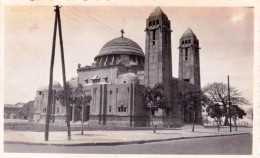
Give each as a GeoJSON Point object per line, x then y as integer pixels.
{"type": "Point", "coordinates": [38, 127]}
{"type": "Point", "coordinates": [57, 118]}
{"type": "Point", "coordinates": [167, 122]}
{"type": "Point", "coordinates": [135, 121]}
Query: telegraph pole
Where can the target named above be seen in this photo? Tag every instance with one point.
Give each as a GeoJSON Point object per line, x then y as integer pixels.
{"type": "Point", "coordinates": [57, 21]}
{"type": "Point", "coordinates": [64, 74]}
{"type": "Point", "coordinates": [230, 125]}
{"type": "Point", "coordinates": [50, 82]}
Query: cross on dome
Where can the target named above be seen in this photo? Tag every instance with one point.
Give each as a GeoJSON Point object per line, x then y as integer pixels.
{"type": "Point", "coordinates": [122, 32]}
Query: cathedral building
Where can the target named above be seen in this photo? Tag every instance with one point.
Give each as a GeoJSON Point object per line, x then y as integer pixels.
{"type": "Point", "coordinates": [120, 73]}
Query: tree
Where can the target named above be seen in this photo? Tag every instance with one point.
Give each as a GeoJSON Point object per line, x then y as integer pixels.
{"type": "Point", "coordinates": [193, 100]}
{"type": "Point", "coordinates": [237, 113]}
{"type": "Point", "coordinates": [216, 111]}
{"type": "Point", "coordinates": [75, 97]}
{"type": "Point", "coordinates": [155, 98]}
{"type": "Point", "coordinates": [80, 100]}
{"type": "Point", "coordinates": [218, 94]}
{"type": "Point", "coordinates": [60, 96]}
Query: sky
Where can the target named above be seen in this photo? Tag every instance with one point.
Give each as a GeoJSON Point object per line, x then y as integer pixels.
{"type": "Point", "coordinates": [226, 39]}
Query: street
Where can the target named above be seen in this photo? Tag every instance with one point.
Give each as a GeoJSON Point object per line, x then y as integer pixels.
{"type": "Point", "coordinates": [225, 145]}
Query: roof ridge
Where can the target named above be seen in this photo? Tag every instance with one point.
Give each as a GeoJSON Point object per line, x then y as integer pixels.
{"type": "Point", "coordinates": [189, 32]}
{"type": "Point", "coordinates": [157, 10]}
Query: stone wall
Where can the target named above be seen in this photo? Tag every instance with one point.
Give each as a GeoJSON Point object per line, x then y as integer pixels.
{"type": "Point", "coordinates": [119, 104]}
{"type": "Point", "coordinates": [180, 85]}
{"type": "Point", "coordinates": [40, 107]}
{"type": "Point", "coordinates": [110, 72]}
{"type": "Point", "coordinates": [107, 99]}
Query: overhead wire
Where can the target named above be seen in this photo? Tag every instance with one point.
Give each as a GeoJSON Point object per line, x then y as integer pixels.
{"type": "Point", "coordinates": [79, 20]}
{"type": "Point", "coordinates": [108, 24]}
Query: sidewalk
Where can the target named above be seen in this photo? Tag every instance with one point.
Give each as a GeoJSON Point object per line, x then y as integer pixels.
{"type": "Point", "coordinates": [117, 137]}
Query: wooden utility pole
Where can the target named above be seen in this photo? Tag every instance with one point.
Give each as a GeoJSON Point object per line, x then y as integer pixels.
{"type": "Point", "coordinates": [64, 75]}
{"type": "Point", "coordinates": [57, 21]}
{"type": "Point", "coordinates": [50, 82]}
{"type": "Point", "coordinates": [230, 125]}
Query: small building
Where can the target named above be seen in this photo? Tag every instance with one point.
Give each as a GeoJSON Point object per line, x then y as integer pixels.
{"type": "Point", "coordinates": [16, 111]}
{"type": "Point", "coordinates": [58, 112]}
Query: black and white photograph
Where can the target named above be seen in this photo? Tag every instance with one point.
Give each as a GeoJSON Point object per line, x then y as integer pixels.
{"type": "Point", "coordinates": [139, 79]}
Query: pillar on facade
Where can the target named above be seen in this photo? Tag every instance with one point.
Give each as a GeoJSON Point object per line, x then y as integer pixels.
{"type": "Point", "coordinates": [97, 62]}
{"type": "Point", "coordinates": [113, 59]}
{"type": "Point", "coordinates": [101, 63]}
{"type": "Point", "coordinates": [106, 60]}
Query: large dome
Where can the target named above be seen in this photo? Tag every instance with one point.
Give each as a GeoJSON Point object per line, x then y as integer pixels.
{"type": "Point", "coordinates": [120, 46]}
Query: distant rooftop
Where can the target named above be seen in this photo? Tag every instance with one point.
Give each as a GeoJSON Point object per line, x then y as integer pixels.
{"type": "Point", "coordinates": [13, 105]}
{"type": "Point", "coordinates": [188, 32]}
{"type": "Point", "coordinates": [156, 11]}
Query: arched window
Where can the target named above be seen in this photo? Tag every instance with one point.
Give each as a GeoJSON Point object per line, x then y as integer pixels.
{"type": "Point", "coordinates": [121, 109]}
{"type": "Point", "coordinates": [153, 37]}
{"type": "Point", "coordinates": [186, 54]}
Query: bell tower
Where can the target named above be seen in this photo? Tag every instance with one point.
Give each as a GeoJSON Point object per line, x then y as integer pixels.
{"type": "Point", "coordinates": [158, 58]}
{"type": "Point", "coordinates": [189, 61]}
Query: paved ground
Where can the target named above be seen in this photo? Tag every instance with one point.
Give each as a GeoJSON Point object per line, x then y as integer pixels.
{"type": "Point", "coordinates": [227, 145]}
{"type": "Point", "coordinates": [116, 137]}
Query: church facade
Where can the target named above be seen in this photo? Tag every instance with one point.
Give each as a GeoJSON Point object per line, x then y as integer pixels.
{"type": "Point", "coordinates": [120, 73]}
